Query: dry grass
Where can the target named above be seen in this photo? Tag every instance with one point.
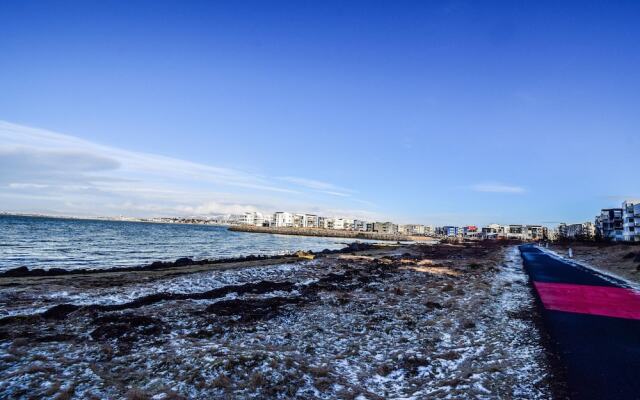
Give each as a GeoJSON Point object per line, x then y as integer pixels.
{"type": "Point", "coordinates": [619, 259]}
{"type": "Point", "coordinates": [137, 394]}
{"type": "Point", "coordinates": [222, 381]}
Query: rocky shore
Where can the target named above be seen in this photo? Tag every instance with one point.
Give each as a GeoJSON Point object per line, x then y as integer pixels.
{"type": "Point", "coordinates": [321, 232]}
{"type": "Point", "coordinates": [25, 271]}
{"type": "Point", "coordinates": [406, 321]}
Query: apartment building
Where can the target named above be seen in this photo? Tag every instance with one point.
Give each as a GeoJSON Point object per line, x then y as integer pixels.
{"type": "Point", "coordinates": [631, 221]}
{"type": "Point", "coordinates": [562, 230]}
{"type": "Point", "coordinates": [550, 234]}
{"type": "Point", "coordinates": [305, 220]}
{"type": "Point", "coordinates": [492, 231]}
{"type": "Point", "coordinates": [253, 218]}
{"type": "Point", "coordinates": [518, 232]}
{"type": "Point", "coordinates": [283, 219]}
{"type": "Point", "coordinates": [311, 221]}
{"type": "Point", "coordinates": [536, 232]}
{"type": "Point", "coordinates": [411, 229]}
{"type": "Point", "coordinates": [385, 227]}
{"type": "Point", "coordinates": [585, 230]}
{"type": "Point", "coordinates": [339, 223]}
{"type": "Point", "coordinates": [359, 225]}
{"type": "Point", "coordinates": [321, 222]}
{"type": "Point", "coordinates": [450, 231]}
{"type": "Point", "coordinates": [610, 224]}
{"type": "Point", "coordinates": [298, 220]}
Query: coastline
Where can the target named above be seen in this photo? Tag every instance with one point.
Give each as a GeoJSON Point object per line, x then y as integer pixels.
{"type": "Point", "coordinates": [403, 322]}
{"type": "Point", "coordinates": [319, 232]}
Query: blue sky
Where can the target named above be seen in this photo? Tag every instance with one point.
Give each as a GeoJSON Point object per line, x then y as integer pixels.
{"type": "Point", "coordinates": [434, 112]}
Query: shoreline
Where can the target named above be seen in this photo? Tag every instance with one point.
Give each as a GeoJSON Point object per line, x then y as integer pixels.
{"type": "Point", "coordinates": [320, 232]}
{"type": "Point", "coordinates": [183, 264]}
{"type": "Point", "coordinates": [404, 321]}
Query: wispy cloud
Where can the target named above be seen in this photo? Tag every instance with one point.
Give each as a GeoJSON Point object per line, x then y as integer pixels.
{"type": "Point", "coordinates": [497, 188]}
{"type": "Point", "coordinates": [41, 170]}
{"type": "Point", "coordinates": [319, 186]}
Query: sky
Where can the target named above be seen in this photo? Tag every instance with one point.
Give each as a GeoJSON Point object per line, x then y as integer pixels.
{"type": "Point", "coordinates": [435, 112]}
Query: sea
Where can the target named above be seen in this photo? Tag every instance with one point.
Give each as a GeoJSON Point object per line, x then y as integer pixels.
{"type": "Point", "coordinates": [43, 242]}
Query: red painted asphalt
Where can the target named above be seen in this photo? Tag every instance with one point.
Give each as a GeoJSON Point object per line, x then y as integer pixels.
{"type": "Point", "coordinates": [593, 326]}
{"type": "Point", "coordinates": [586, 299]}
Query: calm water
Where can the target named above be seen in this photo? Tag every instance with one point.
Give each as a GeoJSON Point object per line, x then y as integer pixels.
{"type": "Point", "coordinates": [52, 242]}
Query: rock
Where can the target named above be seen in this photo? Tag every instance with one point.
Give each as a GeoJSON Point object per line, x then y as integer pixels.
{"type": "Point", "coordinates": [126, 327]}
{"type": "Point", "coordinates": [182, 262]}
{"type": "Point", "coordinates": [433, 305]}
{"type": "Point", "coordinates": [252, 309]}
{"type": "Point", "coordinates": [19, 271]}
{"type": "Point", "coordinates": [60, 311]}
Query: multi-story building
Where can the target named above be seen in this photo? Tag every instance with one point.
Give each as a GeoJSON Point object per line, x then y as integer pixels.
{"type": "Point", "coordinates": [347, 223]}
{"type": "Point", "coordinates": [298, 220]}
{"type": "Point", "coordinates": [328, 223]}
{"type": "Point", "coordinates": [585, 230]}
{"type": "Point", "coordinates": [631, 221]}
{"type": "Point", "coordinates": [550, 234]}
{"type": "Point", "coordinates": [311, 221]}
{"type": "Point", "coordinates": [321, 222]}
{"type": "Point", "coordinates": [610, 224]}
{"type": "Point", "coordinates": [359, 225]}
{"type": "Point", "coordinates": [535, 232]}
{"type": "Point", "coordinates": [492, 231]}
{"type": "Point", "coordinates": [518, 232]}
{"type": "Point", "coordinates": [562, 230]}
{"type": "Point", "coordinates": [411, 229]}
{"type": "Point", "coordinates": [283, 219]}
{"type": "Point", "coordinates": [385, 227]}
{"type": "Point", "coordinates": [470, 230]}
{"type": "Point", "coordinates": [252, 218]}
{"type": "Point", "coordinates": [342, 224]}
{"type": "Point", "coordinates": [450, 230]}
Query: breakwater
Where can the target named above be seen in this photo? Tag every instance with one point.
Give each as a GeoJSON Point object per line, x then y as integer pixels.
{"type": "Point", "coordinates": [320, 232]}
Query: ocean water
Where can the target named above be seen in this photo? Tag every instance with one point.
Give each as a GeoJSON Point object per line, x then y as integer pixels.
{"type": "Point", "coordinates": [38, 242]}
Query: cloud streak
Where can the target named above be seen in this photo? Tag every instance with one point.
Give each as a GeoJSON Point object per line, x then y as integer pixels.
{"type": "Point", "coordinates": [319, 186]}
{"type": "Point", "coordinates": [78, 175]}
{"type": "Point", "coordinates": [497, 188]}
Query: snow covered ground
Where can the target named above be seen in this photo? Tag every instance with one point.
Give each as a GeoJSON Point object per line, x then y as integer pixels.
{"type": "Point", "coordinates": [436, 322]}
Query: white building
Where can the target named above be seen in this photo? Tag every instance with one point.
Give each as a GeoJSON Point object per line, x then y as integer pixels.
{"type": "Point", "coordinates": [252, 218]}
{"type": "Point", "coordinates": [535, 232]}
{"type": "Point", "coordinates": [631, 221]}
{"type": "Point", "coordinates": [585, 230]}
{"type": "Point", "coordinates": [517, 232]}
{"type": "Point", "coordinates": [385, 227]}
{"type": "Point", "coordinates": [359, 225]}
{"type": "Point", "coordinates": [492, 231]}
{"type": "Point", "coordinates": [311, 221]}
{"type": "Point", "coordinates": [411, 229]}
{"type": "Point", "coordinates": [282, 219]}
{"type": "Point", "coordinates": [298, 220]}
{"type": "Point", "coordinates": [340, 223]}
